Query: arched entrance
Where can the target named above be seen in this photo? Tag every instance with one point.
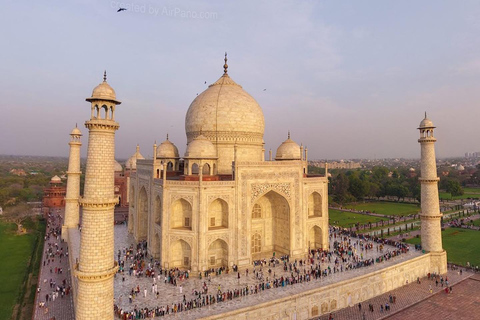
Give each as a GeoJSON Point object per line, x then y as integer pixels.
{"type": "Point", "coordinates": [217, 254]}
{"type": "Point", "coordinates": [315, 238]}
{"type": "Point", "coordinates": [180, 255]}
{"type": "Point", "coordinates": [156, 246]}
{"type": "Point", "coordinates": [142, 212]}
{"type": "Point", "coordinates": [270, 219]}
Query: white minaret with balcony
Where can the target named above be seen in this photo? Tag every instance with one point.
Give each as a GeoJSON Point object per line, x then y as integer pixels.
{"type": "Point", "coordinates": [431, 232]}
{"type": "Point", "coordinates": [97, 266]}
{"type": "Point", "coordinates": [72, 209]}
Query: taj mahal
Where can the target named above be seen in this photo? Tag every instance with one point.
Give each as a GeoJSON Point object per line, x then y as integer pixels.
{"type": "Point", "coordinates": [224, 203]}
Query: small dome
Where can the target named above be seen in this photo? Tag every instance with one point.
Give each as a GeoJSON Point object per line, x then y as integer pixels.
{"type": "Point", "coordinates": [167, 150]}
{"type": "Point", "coordinates": [56, 179]}
{"type": "Point", "coordinates": [426, 123]}
{"type": "Point", "coordinates": [131, 163]}
{"type": "Point", "coordinates": [200, 147]}
{"type": "Point", "coordinates": [104, 92]}
{"type": "Point", "coordinates": [288, 150]}
{"type": "Point", "coordinates": [117, 166]}
{"type": "Point", "coordinates": [76, 132]}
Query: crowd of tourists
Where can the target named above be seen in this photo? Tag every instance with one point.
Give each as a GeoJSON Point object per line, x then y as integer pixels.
{"type": "Point", "coordinates": [348, 251]}
{"type": "Point", "coordinates": [53, 256]}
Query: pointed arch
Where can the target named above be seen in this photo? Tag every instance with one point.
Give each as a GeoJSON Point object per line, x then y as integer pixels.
{"type": "Point", "coordinates": [195, 169]}
{"type": "Point", "coordinates": [273, 226]}
{"type": "Point", "coordinates": [206, 169]}
{"type": "Point", "coordinates": [315, 205]}
{"type": "Point", "coordinates": [158, 210]}
{"type": "Point", "coordinates": [180, 254]}
{"type": "Point", "coordinates": [218, 254]}
{"type": "Point", "coordinates": [142, 213]}
{"type": "Point", "coordinates": [217, 214]}
{"type": "Point", "coordinates": [181, 215]}
{"type": "Point", "coordinates": [315, 238]}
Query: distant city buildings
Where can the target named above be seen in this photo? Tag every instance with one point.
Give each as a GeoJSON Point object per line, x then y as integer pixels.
{"type": "Point", "coordinates": [470, 155]}
{"type": "Point", "coordinates": [342, 164]}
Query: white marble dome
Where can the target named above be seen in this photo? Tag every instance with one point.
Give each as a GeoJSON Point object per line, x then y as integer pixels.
{"type": "Point", "coordinates": [167, 150]}
{"type": "Point", "coordinates": [117, 166]}
{"type": "Point", "coordinates": [104, 92]}
{"type": "Point", "coordinates": [426, 123]}
{"type": "Point", "coordinates": [55, 179]}
{"type": "Point", "coordinates": [200, 148]}
{"type": "Point", "coordinates": [225, 112]}
{"type": "Point", "coordinates": [131, 163]}
{"type": "Point", "coordinates": [288, 150]}
{"type": "Point", "coordinates": [76, 132]}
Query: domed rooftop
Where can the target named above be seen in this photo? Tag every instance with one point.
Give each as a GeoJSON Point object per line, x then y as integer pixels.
{"type": "Point", "coordinates": [117, 166]}
{"type": "Point", "coordinates": [131, 163]}
{"type": "Point", "coordinates": [55, 179]}
{"type": "Point", "coordinates": [104, 92]}
{"type": "Point", "coordinates": [225, 112]}
{"type": "Point", "coordinates": [426, 123]}
{"type": "Point", "coordinates": [200, 148]}
{"type": "Point", "coordinates": [76, 132]}
{"type": "Point", "coordinates": [288, 150]}
{"type": "Point", "coordinates": [167, 150]}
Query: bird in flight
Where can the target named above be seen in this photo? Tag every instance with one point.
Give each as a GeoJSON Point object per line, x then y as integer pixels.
{"type": "Point", "coordinates": [205, 82]}
{"type": "Point", "coordinates": [264, 89]}
{"type": "Point", "coordinates": [121, 9]}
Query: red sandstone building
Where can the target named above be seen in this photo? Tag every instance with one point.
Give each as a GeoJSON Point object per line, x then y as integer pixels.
{"type": "Point", "coordinates": [54, 195]}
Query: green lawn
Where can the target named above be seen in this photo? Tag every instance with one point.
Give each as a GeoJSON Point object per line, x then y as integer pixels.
{"type": "Point", "coordinates": [472, 190]}
{"type": "Point", "coordinates": [15, 254]}
{"type": "Point", "coordinates": [461, 245]}
{"type": "Point", "coordinates": [468, 193]}
{"type": "Point", "coordinates": [387, 208]}
{"type": "Point", "coordinates": [476, 222]}
{"type": "Point", "coordinates": [448, 196]}
{"type": "Point", "coordinates": [348, 219]}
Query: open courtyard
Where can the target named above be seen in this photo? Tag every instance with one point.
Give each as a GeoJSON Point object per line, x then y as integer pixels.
{"type": "Point", "coordinates": [184, 290]}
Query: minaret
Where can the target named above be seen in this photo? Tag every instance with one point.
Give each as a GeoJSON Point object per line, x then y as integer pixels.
{"type": "Point", "coordinates": [96, 266]}
{"type": "Point", "coordinates": [430, 216]}
{"type": "Point", "coordinates": [72, 209]}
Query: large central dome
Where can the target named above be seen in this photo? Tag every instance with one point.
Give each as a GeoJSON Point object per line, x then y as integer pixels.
{"type": "Point", "coordinates": [225, 112]}
{"type": "Point", "coordinates": [231, 119]}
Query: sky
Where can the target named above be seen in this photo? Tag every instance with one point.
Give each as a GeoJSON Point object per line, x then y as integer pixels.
{"type": "Point", "coordinates": [348, 79]}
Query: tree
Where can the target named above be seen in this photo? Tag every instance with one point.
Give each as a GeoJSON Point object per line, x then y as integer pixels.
{"type": "Point", "coordinates": [340, 188]}
{"type": "Point", "coordinates": [454, 188]}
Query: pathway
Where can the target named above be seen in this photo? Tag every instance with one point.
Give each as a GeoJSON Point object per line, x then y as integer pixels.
{"type": "Point", "coordinates": [61, 307]}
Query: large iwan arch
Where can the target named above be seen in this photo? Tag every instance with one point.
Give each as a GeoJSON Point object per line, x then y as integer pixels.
{"type": "Point", "coordinates": [273, 223]}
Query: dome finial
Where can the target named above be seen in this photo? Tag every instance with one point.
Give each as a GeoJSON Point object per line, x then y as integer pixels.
{"type": "Point", "coordinates": [425, 114]}
{"type": "Point", "coordinates": [105, 76]}
{"type": "Point", "coordinates": [225, 66]}
{"type": "Point", "coordinates": [288, 134]}
{"type": "Point", "coordinates": [167, 136]}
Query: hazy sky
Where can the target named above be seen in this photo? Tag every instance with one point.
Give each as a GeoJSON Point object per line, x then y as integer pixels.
{"type": "Point", "coordinates": [349, 79]}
